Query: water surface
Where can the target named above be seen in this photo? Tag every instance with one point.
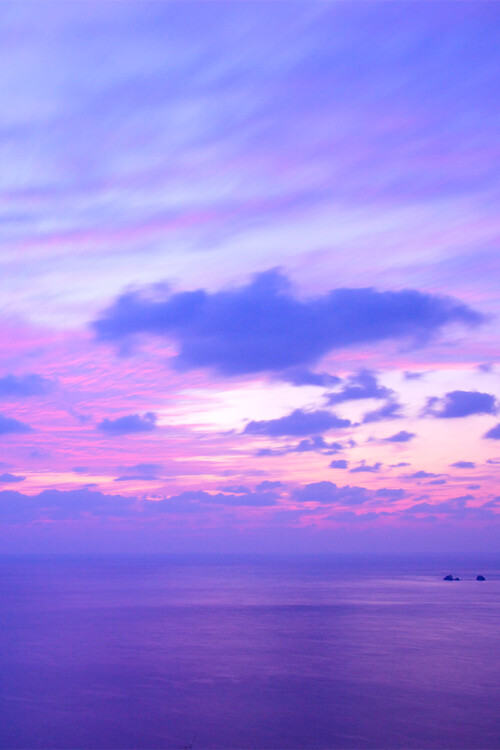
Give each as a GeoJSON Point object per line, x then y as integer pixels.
{"type": "Point", "coordinates": [318, 652]}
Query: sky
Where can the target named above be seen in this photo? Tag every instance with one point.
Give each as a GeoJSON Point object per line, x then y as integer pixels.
{"type": "Point", "coordinates": [249, 271]}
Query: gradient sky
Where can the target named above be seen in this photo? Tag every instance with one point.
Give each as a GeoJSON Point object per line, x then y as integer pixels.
{"type": "Point", "coordinates": [249, 259]}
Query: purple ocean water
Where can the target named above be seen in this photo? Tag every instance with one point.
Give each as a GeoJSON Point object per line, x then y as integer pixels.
{"type": "Point", "coordinates": [312, 652]}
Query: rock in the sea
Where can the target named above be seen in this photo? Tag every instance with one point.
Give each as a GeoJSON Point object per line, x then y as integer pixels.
{"type": "Point", "coordinates": [448, 578]}
{"type": "Point", "coordinates": [480, 578]}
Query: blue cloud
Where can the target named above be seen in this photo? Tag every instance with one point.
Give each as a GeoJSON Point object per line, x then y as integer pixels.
{"type": "Point", "coordinates": [390, 410]}
{"type": "Point", "coordinates": [10, 478]}
{"type": "Point", "coordinates": [339, 463]}
{"type": "Point", "coordinates": [299, 422]}
{"type": "Point", "coordinates": [493, 434]}
{"type": "Point", "coordinates": [464, 465]}
{"type": "Point", "coordinates": [366, 467]}
{"type": "Point", "coordinates": [129, 424]}
{"type": "Point", "coordinates": [391, 494]}
{"type": "Point", "coordinates": [263, 327]}
{"type": "Point", "coordinates": [330, 494]}
{"type": "Point", "coordinates": [461, 404]}
{"type": "Point", "coordinates": [136, 478]}
{"type": "Point", "coordinates": [267, 485]}
{"type": "Point", "coordinates": [61, 505]}
{"type": "Point", "coordinates": [360, 386]}
{"type": "Point", "coordinates": [19, 386]}
{"type": "Point", "coordinates": [9, 425]}
{"type": "Point", "coordinates": [422, 475]}
{"type": "Point", "coordinates": [401, 437]}
{"type": "Point", "coordinates": [302, 376]}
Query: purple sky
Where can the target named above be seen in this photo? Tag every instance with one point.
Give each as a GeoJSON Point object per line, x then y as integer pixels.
{"type": "Point", "coordinates": [250, 276]}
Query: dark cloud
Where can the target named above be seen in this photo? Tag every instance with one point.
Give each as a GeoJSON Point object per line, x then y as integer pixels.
{"type": "Point", "coordinates": [299, 422]}
{"type": "Point", "coordinates": [422, 475]}
{"type": "Point", "coordinates": [302, 376]}
{"type": "Point", "coordinates": [401, 463]}
{"type": "Point", "coordinates": [473, 486]}
{"type": "Point", "coordinates": [437, 481]}
{"type": "Point", "coordinates": [142, 471]}
{"type": "Point", "coordinates": [9, 425]}
{"type": "Point", "coordinates": [10, 478]}
{"type": "Point", "coordinates": [461, 404]}
{"type": "Point", "coordinates": [128, 424]}
{"type": "Point", "coordinates": [195, 500]}
{"type": "Point", "coordinates": [409, 375]}
{"type": "Point", "coordinates": [62, 505]}
{"type": "Point", "coordinates": [339, 464]}
{"type": "Point", "coordinates": [464, 465]}
{"type": "Point", "coordinates": [390, 410]}
{"type": "Point", "coordinates": [136, 478]}
{"type": "Point", "coordinates": [366, 467]}
{"type": "Point", "coordinates": [361, 386]}
{"type": "Point", "coordinates": [20, 386]}
{"type": "Point", "coordinates": [315, 443]}
{"type": "Point", "coordinates": [391, 494]}
{"type": "Point", "coordinates": [456, 507]}
{"type": "Point", "coordinates": [493, 434]}
{"type": "Point", "coordinates": [267, 486]}
{"type": "Point", "coordinates": [401, 437]}
{"type": "Point", "coordinates": [330, 494]}
{"type": "Point", "coordinates": [80, 469]}
{"type": "Point", "coordinates": [263, 327]}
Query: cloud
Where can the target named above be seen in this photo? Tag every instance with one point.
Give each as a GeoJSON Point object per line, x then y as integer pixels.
{"type": "Point", "coordinates": [366, 467]}
{"type": "Point", "coordinates": [391, 494]}
{"type": "Point", "coordinates": [267, 486]}
{"type": "Point", "coordinates": [10, 478]}
{"type": "Point", "coordinates": [302, 376]}
{"type": "Point", "coordinates": [461, 404]}
{"type": "Point", "coordinates": [263, 327]}
{"type": "Point", "coordinates": [9, 425]}
{"type": "Point", "coordinates": [422, 475]}
{"type": "Point", "coordinates": [455, 507]}
{"type": "Point", "coordinates": [128, 424]}
{"type": "Point", "coordinates": [195, 500]}
{"type": "Point", "coordinates": [411, 375]}
{"type": "Point", "coordinates": [493, 434]}
{"type": "Point", "coordinates": [62, 505]}
{"type": "Point", "coordinates": [147, 472]}
{"type": "Point", "coordinates": [339, 464]}
{"type": "Point", "coordinates": [136, 478]}
{"type": "Point", "coordinates": [464, 465]}
{"type": "Point", "coordinates": [315, 443]}
{"type": "Point", "coordinates": [20, 386]}
{"type": "Point", "coordinates": [390, 410]}
{"type": "Point", "coordinates": [329, 493]}
{"type": "Point", "coordinates": [299, 422]}
{"type": "Point", "coordinates": [236, 490]}
{"type": "Point", "coordinates": [400, 437]}
{"type": "Point", "coordinates": [360, 386]}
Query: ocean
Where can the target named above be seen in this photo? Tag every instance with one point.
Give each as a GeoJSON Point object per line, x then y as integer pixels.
{"type": "Point", "coordinates": [268, 653]}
